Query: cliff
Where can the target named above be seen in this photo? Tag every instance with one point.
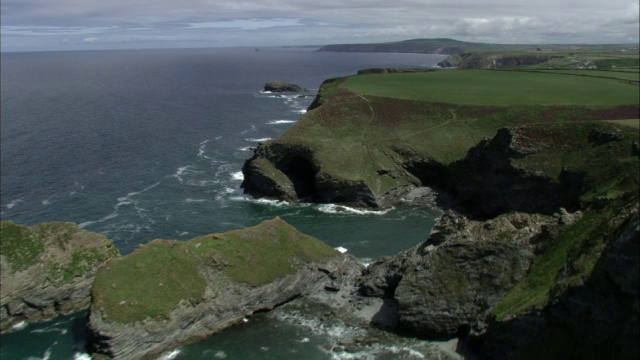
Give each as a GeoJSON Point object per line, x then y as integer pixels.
{"type": "Point", "coordinates": [185, 291]}
{"type": "Point", "coordinates": [48, 269]}
{"type": "Point", "coordinates": [371, 150]}
{"type": "Point", "coordinates": [539, 249]}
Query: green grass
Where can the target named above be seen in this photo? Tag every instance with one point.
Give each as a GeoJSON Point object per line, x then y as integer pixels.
{"type": "Point", "coordinates": [263, 253]}
{"type": "Point", "coordinates": [496, 88]}
{"type": "Point", "coordinates": [356, 122]}
{"type": "Point", "coordinates": [606, 74]}
{"type": "Point", "coordinates": [151, 282]}
{"type": "Point", "coordinates": [82, 262]}
{"type": "Point", "coordinates": [19, 247]}
{"type": "Point", "coordinates": [25, 246]}
{"type": "Point", "coordinates": [633, 123]}
{"type": "Point", "coordinates": [148, 283]}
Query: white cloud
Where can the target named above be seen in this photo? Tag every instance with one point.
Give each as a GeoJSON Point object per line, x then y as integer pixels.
{"type": "Point", "coordinates": [245, 24]}
{"type": "Point", "coordinates": [135, 23]}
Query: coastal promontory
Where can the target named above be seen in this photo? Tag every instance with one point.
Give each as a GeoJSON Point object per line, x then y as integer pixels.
{"type": "Point", "coordinates": [48, 269]}
{"type": "Point", "coordinates": [185, 291]}
{"type": "Point", "coordinates": [538, 174]}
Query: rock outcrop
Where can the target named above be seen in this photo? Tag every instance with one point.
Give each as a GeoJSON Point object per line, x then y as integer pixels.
{"type": "Point", "coordinates": [446, 284]}
{"type": "Point", "coordinates": [48, 269]}
{"type": "Point", "coordinates": [281, 86]}
{"type": "Point", "coordinates": [207, 284]}
{"type": "Point", "coordinates": [594, 306]}
{"type": "Point", "coordinates": [493, 179]}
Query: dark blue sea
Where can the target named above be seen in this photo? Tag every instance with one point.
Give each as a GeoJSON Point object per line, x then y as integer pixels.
{"type": "Point", "coordinates": [139, 145]}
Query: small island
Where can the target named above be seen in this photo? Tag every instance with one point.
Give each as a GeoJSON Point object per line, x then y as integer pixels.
{"type": "Point", "coordinates": [281, 86]}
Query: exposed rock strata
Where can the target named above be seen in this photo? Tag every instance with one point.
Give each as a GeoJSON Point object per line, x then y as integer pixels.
{"type": "Point", "coordinates": [485, 183]}
{"type": "Point", "coordinates": [48, 269]}
{"type": "Point", "coordinates": [225, 301]}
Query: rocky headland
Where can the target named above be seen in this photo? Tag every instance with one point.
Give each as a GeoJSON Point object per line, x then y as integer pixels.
{"type": "Point", "coordinates": [191, 290]}
{"type": "Point", "coordinates": [48, 269]}
{"type": "Point", "coordinates": [542, 219]}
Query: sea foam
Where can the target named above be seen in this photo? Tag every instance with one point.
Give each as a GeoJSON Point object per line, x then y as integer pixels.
{"type": "Point", "coordinates": [278, 122]}
{"type": "Point", "coordinates": [258, 140]}
{"type": "Point", "coordinates": [341, 209]}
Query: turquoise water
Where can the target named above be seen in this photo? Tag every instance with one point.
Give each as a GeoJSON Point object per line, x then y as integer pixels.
{"type": "Point", "coordinates": [139, 145]}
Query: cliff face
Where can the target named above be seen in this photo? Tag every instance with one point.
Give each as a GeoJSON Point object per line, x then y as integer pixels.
{"type": "Point", "coordinates": [536, 211]}
{"type": "Point", "coordinates": [187, 291]}
{"type": "Point", "coordinates": [48, 269]}
{"type": "Point", "coordinates": [594, 301]}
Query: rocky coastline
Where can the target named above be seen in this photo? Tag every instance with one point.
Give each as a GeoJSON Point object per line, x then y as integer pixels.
{"type": "Point", "coordinates": [530, 253]}
{"type": "Point", "coordinates": [48, 269]}
{"type": "Point", "coordinates": [226, 293]}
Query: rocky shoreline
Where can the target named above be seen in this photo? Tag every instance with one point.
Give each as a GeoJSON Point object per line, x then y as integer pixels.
{"type": "Point", "coordinates": [48, 269]}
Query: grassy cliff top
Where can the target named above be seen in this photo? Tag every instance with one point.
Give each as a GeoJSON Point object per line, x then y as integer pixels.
{"type": "Point", "coordinates": [65, 250]}
{"type": "Point", "coordinates": [154, 279]}
{"type": "Point", "coordinates": [500, 88]}
{"type": "Point", "coordinates": [357, 125]}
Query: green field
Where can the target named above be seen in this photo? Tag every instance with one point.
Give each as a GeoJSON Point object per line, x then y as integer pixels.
{"type": "Point", "coordinates": [627, 74]}
{"type": "Point", "coordinates": [498, 88]}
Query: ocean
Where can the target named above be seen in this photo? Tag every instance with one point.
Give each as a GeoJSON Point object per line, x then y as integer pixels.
{"type": "Point", "coordinates": [146, 144]}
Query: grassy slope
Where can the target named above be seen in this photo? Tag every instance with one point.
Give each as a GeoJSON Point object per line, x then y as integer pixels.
{"type": "Point", "coordinates": [23, 246]}
{"type": "Point", "coordinates": [581, 244]}
{"type": "Point", "coordinates": [442, 114]}
{"type": "Point", "coordinates": [151, 282]}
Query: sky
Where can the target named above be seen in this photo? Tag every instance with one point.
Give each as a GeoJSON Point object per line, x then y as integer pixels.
{"type": "Point", "coordinates": [37, 25]}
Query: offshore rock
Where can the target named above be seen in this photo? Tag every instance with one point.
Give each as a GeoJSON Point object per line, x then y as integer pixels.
{"type": "Point", "coordinates": [281, 86]}
{"type": "Point", "coordinates": [48, 269]}
{"type": "Point", "coordinates": [214, 281]}
{"type": "Point", "coordinates": [446, 284]}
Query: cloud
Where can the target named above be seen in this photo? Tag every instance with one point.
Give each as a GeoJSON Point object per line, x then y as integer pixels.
{"type": "Point", "coordinates": [143, 23]}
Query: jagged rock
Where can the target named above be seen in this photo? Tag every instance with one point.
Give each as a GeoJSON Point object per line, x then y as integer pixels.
{"type": "Point", "coordinates": [465, 267]}
{"type": "Point", "coordinates": [488, 181]}
{"type": "Point", "coordinates": [281, 86]}
{"type": "Point", "coordinates": [267, 265]}
{"type": "Point", "coordinates": [594, 316]}
{"type": "Point", "coordinates": [48, 269]}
